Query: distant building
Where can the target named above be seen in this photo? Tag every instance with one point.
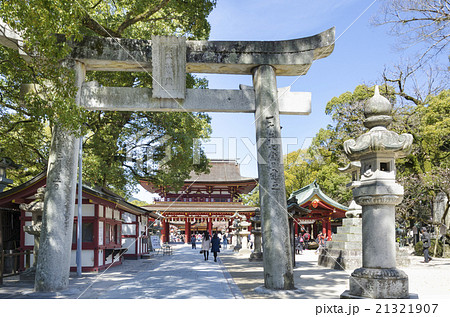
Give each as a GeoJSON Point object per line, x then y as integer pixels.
{"type": "Point", "coordinates": [318, 212]}
{"type": "Point", "coordinates": [110, 225]}
{"type": "Point", "coordinates": [205, 202]}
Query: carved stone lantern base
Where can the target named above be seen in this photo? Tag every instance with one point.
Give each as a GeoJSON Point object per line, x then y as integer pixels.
{"type": "Point", "coordinates": [256, 257]}
{"type": "Point", "coordinates": [377, 284]}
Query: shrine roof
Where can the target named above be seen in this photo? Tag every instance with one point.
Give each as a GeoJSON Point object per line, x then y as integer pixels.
{"type": "Point", "coordinates": [221, 171]}
{"type": "Point", "coordinates": [306, 194]}
{"type": "Point", "coordinates": [27, 190]}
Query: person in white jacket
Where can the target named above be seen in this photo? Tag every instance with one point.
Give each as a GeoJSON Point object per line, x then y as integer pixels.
{"type": "Point", "coordinates": [206, 245]}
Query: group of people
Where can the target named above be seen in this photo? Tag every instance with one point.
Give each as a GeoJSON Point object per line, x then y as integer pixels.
{"type": "Point", "coordinates": [301, 243]}
{"type": "Point", "coordinates": [303, 239]}
{"type": "Point", "coordinates": [208, 243]}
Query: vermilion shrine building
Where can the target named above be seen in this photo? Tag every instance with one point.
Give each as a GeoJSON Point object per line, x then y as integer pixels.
{"type": "Point", "coordinates": [205, 202]}
{"type": "Point", "coordinates": [110, 225]}
{"type": "Point", "coordinates": [315, 211]}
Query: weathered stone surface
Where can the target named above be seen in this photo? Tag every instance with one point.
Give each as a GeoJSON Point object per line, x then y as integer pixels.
{"type": "Point", "coordinates": [344, 252]}
{"type": "Point", "coordinates": [347, 229]}
{"type": "Point", "coordinates": [168, 67]}
{"type": "Point", "coordinates": [378, 193]}
{"type": "Point", "coordinates": [278, 269]}
{"type": "Point", "coordinates": [290, 58]}
{"type": "Point", "coordinates": [340, 259]}
{"type": "Point", "coordinates": [53, 266]}
{"type": "Point", "coordinates": [94, 97]}
{"type": "Point", "coordinates": [36, 208]}
{"type": "Point", "coordinates": [439, 206]}
{"type": "Point", "coordinates": [12, 39]}
{"type": "Point", "coordinates": [379, 283]}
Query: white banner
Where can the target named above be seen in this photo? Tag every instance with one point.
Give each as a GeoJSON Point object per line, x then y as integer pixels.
{"type": "Point", "coordinates": [306, 221]}
{"type": "Point", "coordinates": [156, 243]}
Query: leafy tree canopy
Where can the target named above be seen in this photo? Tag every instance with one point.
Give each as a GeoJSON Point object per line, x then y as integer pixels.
{"type": "Point", "coordinates": [27, 120]}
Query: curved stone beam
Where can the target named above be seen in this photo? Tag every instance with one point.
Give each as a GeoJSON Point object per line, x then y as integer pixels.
{"type": "Point", "coordinates": [289, 58]}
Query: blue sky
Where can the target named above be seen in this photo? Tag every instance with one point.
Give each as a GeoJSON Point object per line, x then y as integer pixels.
{"type": "Point", "coordinates": [361, 53]}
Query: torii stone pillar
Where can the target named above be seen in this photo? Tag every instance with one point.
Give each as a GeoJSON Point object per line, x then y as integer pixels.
{"type": "Point", "coordinates": [53, 265]}
{"type": "Point", "coordinates": [278, 270]}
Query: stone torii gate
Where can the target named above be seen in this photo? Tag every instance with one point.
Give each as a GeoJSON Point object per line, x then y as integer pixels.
{"type": "Point", "coordinates": [169, 58]}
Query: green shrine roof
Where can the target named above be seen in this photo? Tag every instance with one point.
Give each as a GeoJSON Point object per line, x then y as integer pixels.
{"type": "Point", "coordinates": [305, 196]}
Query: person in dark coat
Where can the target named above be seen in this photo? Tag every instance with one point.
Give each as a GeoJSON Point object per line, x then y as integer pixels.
{"type": "Point", "coordinates": [215, 246]}
{"type": "Point", "coordinates": [426, 244]}
{"type": "Point", "coordinates": [193, 241]}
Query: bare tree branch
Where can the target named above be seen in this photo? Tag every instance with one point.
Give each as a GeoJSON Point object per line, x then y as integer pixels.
{"type": "Point", "coordinates": [98, 28]}
{"type": "Point", "coordinates": [141, 17]}
{"type": "Point", "coordinates": [419, 21]}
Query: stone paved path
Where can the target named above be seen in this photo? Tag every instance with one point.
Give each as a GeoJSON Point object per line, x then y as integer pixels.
{"type": "Point", "coordinates": [182, 275]}
{"type": "Point", "coordinates": [185, 275]}
{"type": "Point", "coordinates": [428, 280]}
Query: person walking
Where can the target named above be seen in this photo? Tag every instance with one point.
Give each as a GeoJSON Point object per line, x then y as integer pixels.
{"type": "Point", "coordinates": [321, 242]}
{"type": "Point", "coordinates": [206, 245]}
{"type": "Point", "coordinates": [426, 244]}
{"type": "Point", "coordinates": [225, 241]}
{"type": "Point", "coordinates": [306, 238]}
{"type": "Point", "coordinates": [215, 246]}
{"type": "Point", "coordinates": [193, 240]}
{"type": "Point", "coordinates": [299, 248]}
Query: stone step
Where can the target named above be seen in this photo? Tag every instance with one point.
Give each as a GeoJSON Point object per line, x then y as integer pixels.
{"type": "Point", "coordinates": [352, 222]}
{"type": "Point", "coordinates": [344, 245]}
{"type": "Point", "coordinates": [356, 230]}
{"type": "Point", "coordinates": [346, 237]}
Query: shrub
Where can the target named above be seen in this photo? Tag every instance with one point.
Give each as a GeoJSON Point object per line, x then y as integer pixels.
{"type": "Point", "coordinates": [418, 248]}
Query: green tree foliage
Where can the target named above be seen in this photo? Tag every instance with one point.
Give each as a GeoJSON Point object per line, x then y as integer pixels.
{"type": "Point", "coordinates": [110, 137]}
{"type": "Point", "coordinates": [435, 129]}
{"type": "Point", "coordinates": [252, 198]}
{"type": "Point", "coordinates": [297, 172]}
{"type": "Point", "coordinates": [423, 173]}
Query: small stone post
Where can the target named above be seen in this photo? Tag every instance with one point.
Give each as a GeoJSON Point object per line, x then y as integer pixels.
{"type": "Point", "coordinates": [53, 266]}
{"type": "Point", "coordinates": [278, 270]}
{"type": "Point", "coordinates": [378, 194]}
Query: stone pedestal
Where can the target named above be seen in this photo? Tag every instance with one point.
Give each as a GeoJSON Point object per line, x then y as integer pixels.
{"type": "Point", "coordinates": [36, 208]}
{"type": "Point", "coordinates": [344, 252]}
{"type": "Point", "coordinates": [244, 239]}
{"type": "Point", "coordinates": [378, 283]}
{"type": "Point", "coordinates": [256, 254]}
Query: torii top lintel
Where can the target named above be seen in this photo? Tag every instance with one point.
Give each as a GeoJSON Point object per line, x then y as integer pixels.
{"type": "Point", "coordinates": [289, 58]}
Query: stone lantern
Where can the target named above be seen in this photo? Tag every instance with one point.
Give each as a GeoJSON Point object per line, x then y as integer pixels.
{"type": "Point", "coordinates": [378, 194]}
{"type": "Point", "coordinates": [6, 163]}
{"type": "Point", "coordinates": [256, 255]}
{"type": "Point", "coordinates": [36, 208]}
